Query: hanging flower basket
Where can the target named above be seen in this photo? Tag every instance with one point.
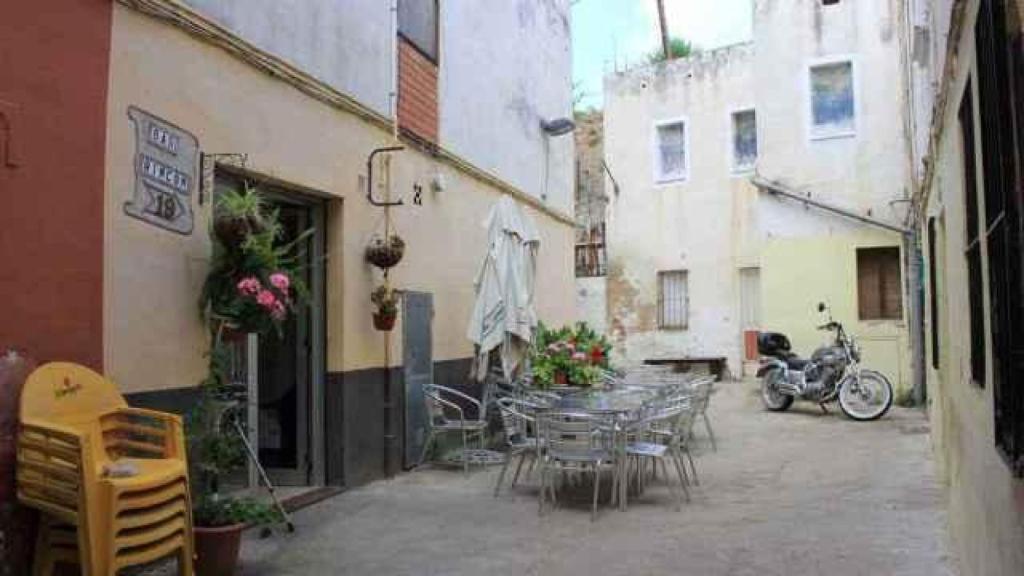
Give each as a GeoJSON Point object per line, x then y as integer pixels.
{"type": "Point", "coordinates": [386, 301]}
{"type": "Point", "coordinates": [385, 253]}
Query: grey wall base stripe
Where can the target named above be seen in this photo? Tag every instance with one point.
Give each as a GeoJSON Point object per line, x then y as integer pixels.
{"type": "Point", "coordinates": [357, 450]}
{"type": "Point", "coordinates": [355, 413]}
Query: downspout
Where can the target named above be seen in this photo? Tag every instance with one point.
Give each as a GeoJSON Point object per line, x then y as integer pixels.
{"type": "Point", "coordinates": [388, 405]}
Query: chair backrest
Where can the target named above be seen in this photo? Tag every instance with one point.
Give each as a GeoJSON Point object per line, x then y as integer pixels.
{"type": "Point", "coordinates": [67, 393]}
{"type": "Point", "coordinates": [514, 420]}
{"type": "Point", "coordinates": [569, 435]}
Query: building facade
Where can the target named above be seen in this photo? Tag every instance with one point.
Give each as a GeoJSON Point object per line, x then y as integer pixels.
{"type": "Point", "coordinates": [966, 62]}
{"type": "Point", "coordinates": [292, 100]}
{"type": "Point", "coordinates": [709, 241]}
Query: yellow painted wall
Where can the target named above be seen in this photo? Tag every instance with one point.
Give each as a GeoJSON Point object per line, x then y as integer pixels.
{"type": "Point", "coordinates": [153, 337]}
{"type": "Point", "coordinates": [797, 273]}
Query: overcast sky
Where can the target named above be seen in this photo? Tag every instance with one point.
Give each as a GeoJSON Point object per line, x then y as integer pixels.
{"type": "Point", "coordinates": [610, 33]}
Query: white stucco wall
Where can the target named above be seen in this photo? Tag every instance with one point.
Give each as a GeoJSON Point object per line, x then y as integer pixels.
{"type": "Point", "coordinates": [346, 44]}
{"type": "Point", "coordinates": [592, 302]}
{"type": "Point", "coordinates": [865, 171]}
{"type": "Point", "coordinates": [700, 225]}
{"type": "Point", "coordinates": [502, 70]}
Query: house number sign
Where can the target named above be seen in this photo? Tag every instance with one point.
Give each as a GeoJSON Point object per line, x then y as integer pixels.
{"type": "Point", "coordinates": [165, 173]}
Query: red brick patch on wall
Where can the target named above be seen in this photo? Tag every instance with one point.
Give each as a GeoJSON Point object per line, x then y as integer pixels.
{"type": "Point", "coordinates": [417, 92]}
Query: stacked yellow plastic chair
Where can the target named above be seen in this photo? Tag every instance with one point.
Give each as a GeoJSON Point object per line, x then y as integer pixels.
{"type": "Point", "coordinates": [111, 481]}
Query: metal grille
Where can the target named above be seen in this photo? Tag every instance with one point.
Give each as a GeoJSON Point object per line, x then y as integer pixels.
{"type": "Point", "coordinates": [673, 299]}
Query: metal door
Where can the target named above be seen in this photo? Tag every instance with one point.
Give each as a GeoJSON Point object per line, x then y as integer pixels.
{"type": "Point", "coordinates": [418, 368]}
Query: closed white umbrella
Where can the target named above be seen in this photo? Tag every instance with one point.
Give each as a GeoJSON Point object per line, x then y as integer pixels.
{"type": "Point", "coordinates": [503, 314]}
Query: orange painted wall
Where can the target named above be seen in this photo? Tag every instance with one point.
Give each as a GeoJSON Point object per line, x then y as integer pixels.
{"type": "Point", "coordinates": [54, 59]}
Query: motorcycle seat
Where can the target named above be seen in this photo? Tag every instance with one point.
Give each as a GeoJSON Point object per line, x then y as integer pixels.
{"type": "Point", "coordinates": [796, 363]}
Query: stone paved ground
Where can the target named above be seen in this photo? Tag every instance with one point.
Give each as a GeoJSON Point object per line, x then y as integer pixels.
{"type": "Point", "coordinates": [799, 493]}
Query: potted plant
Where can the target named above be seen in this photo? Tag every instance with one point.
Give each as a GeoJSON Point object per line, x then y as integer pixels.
{"type": "Point", "coordinates": [384, 253]}
{"type": "Point", "coordinates": [386, 301]}
{"type": "Point", "coordinates": [252, 286]}
{"type": "Point", "coordinates": [568, 356]}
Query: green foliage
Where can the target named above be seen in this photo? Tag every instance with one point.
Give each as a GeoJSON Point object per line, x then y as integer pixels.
{"type": "Point", "coordinates": [211, 511]}
{"type": "Point", "coordinates": [247, 247]}
{"type": "Point", "coordinates": [385, 299]}
{"type": "Point", "coordinates": [576, 352]}
{"type": "Point", "coordinates": [677, 47]}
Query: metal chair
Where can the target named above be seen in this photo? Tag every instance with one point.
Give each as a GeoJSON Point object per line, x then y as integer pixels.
{"type": "Point", "coordinates": [665, 427]}
{"type": "Point", "coordinates": [575, 443]}
{"type": "Point", "coordinates": [441, 402]}
{"type": "Point", "coordinates": [702, 390]}
{"type": "Point", "coordinates": [517, 417]}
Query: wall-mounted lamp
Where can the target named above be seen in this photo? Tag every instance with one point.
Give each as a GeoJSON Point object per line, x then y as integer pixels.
{"type": "Point", "coordinates": [557, 127]}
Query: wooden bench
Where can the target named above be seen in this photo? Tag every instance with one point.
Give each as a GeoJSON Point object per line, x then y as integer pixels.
{"type": "Point", "coordinates": [716, 364]}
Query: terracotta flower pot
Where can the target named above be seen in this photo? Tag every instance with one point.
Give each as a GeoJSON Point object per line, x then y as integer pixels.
{"type": "Point", "coordinates": [561, 378]}
{"type": "Point", "coordinates": [384, 322]}
{"type": "Point", "coordinates": [217, 549]}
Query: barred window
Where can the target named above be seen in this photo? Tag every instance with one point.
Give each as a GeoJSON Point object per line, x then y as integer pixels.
{"type": "Point", "coordinates": [671, 160]}
{"type": "Point", "coordinates": [744, 140]}
{"type": "Point", "coordinates": [673, 299]}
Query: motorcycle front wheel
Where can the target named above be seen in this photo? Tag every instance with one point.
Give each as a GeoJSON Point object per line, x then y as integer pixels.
{"type": "Point", "coordinates": [866, 395]}
{"type": "Point", "coordinates": [773, 399]}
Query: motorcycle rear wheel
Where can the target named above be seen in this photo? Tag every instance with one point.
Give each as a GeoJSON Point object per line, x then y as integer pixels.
{"type": "Point", "coordinates": [866, 396]}
{"type": "Point", "coordinates": [772, 398]}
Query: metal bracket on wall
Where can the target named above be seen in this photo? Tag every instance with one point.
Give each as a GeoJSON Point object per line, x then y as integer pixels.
{"type": "Point", "coordinates": [369, 176]}
{"type": "Point", "coordinates": [208, 162]}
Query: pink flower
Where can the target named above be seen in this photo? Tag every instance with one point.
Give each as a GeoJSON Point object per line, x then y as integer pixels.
{"type": "Point", "coordinates": [280, 281]}
{"type": "Point", "coordinates": [278, 311]}
{"type": "Point", "coordinates": [579, 357]}
{"type": "Point", "coordinates": [266, 299]}
{"type": "Point", "coordinates": [249, 285]}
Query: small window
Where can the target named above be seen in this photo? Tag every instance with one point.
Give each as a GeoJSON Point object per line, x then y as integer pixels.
{"type": "Point", "coordinates": [829, 2]}
{"type": "Point", "coordinates": [744, 140]}
{"type": "Point", "coordinates": [417, 23]}
{"type": "Point", "coordinates": [832, 105]}
{"type": "Point", "coordinates": [673, 299]}
{"type": "Point", "coordinates": [671, 160]}
{"type": "Point", "coordinates": [879, 287]}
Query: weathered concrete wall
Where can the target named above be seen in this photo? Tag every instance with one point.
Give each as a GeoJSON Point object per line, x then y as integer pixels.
{"type": "Point", "coordinates": [153, 277]}
{"type": "Point", "coordinates": [701, 224]}
{"type": "Point", "coordinates": [592, 302]}
{"type": "Point", "coordinates": [986, 504]}
{"type": "Point", "coordinates": [503, 70]}
{"type": "Point", "coordinates": [809, 255]}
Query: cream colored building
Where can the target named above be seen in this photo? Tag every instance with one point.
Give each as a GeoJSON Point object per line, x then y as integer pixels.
{"type": "Point", "coordinates": [701, 257]}
{"type": "Point", "coordinates": [305, 94]}
{"type": "Point", "coordinates": [967, 67]}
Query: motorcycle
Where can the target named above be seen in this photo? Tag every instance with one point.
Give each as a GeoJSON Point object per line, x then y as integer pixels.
{"type": "Point", "coordinates": [832, 372]}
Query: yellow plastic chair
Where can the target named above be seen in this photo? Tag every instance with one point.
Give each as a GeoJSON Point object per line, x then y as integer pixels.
{"type": "Point", "coordinates": [117, 475]}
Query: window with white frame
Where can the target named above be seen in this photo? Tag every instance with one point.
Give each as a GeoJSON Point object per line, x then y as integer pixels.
{"type": "Point", "coordinates": [673, 299]}
{"type": "Point", "coordinates": [832, 100]}
{"type": "Point", "coordinates": [744, 140]}
{"type": "Point", "coordinates": [670, 161]}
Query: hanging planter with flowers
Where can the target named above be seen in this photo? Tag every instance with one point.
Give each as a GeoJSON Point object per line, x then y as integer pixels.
{"type": "Point", "coordinates": [386, 301]}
